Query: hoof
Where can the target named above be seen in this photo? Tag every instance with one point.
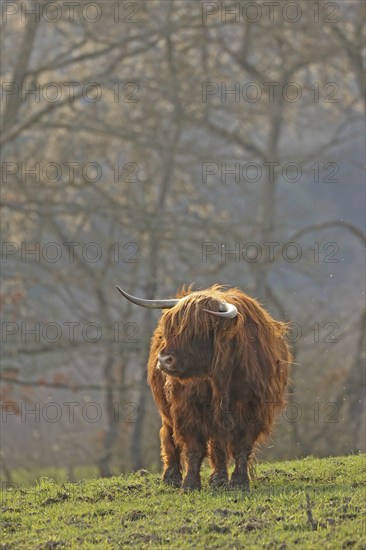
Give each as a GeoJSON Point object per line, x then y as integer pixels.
{"type": "Point", "coordinates": [242, 484]}
{"type": "Point", "coordinates": [173, 482]}
{"type": "Point", "coordinates": [219, 479]}
{"type": "Point", "coordinates": [172, 477]}
{"type": "Point", "coordinates": [191, 484]}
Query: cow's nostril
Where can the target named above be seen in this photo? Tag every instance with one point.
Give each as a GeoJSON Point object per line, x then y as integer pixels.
{"type": "Point", "coordinates": [166, 361]}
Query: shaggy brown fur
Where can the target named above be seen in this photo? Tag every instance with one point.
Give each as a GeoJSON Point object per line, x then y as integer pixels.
{"type": "Point", "coordinates": [232, 381]}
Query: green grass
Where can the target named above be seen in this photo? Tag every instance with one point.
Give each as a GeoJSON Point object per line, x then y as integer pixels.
{"type": "Point", "coordinates": [304, 504]}
{"type": "Point", "coordinates": [27, 477]}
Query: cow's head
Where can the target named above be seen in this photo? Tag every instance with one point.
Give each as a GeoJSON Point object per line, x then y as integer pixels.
{"type": "Point", "coordinates": [190, 331]}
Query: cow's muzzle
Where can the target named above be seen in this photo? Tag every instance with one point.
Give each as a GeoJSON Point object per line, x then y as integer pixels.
{"type": "Point", "coordinates": [166, 363]}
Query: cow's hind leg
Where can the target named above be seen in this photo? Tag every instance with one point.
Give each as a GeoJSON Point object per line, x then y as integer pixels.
{"type": "Point", "coordinates": [171, 457]}
{"type": "Point", "coordinates": [218, 459]}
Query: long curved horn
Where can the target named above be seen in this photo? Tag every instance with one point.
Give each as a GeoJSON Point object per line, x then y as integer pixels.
{"type": "Point", "coordinates": [229, 311]}
{"type": "Point", "coordinates": [152, 304]}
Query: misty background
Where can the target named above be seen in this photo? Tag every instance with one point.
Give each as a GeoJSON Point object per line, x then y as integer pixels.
{"type": "Point", "coordinates": [152, 144]}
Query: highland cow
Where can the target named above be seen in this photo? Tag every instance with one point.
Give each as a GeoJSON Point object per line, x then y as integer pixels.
{"type": "Point", "coordinates": [218, 369]}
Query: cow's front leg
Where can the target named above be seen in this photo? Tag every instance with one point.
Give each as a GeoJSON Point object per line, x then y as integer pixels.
{"type": "Point", "coordinates": [194, 452]}
{"type": "Point", "coordinates": [241, 447]}
{"type": "Point", "coordinates": [171, 457]}
{"type": "Point", "coordinates": [218, 459]}
{"type": "Point", "coordinates": [243, 442]}
{"type": "Point", "coordinates": [239, 477]}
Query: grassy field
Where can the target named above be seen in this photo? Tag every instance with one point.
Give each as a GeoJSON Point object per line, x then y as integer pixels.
{"type": "Point", "coordinates": [303, 504]}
